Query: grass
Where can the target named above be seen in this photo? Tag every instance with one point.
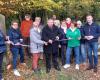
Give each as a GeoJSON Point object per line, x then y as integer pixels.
{"type": "Point", "coordinates": [64, 74]}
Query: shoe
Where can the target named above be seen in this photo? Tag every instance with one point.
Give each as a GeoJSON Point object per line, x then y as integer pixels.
{"type": "Point", "coordinates": [95, 69]}
{"type": "Point", "coordinates": [35, 70]}
{"type": "Point", "coordinates": [38, 69]}
{"type": "Point", "coordinates": [47, 70]}
{"type": "Point", "coordinates": [57, 68]}
{"type": "Point", "coordinates": [16, 73]}
{"type": "Point", "coordinates": [23, 64]}
{"type": "Point", "coordinates": [2, 79]}
{"type": "Point", "coordinates": [66, 66]}
{"type": "Point", "coordinates": [89, 68]}
{"type": "Point", "coordinates": [63, 63]}
{"type": "Point", "coordinates": [77, 67]}
{"type": "Point", "coordinates": [9, 66]}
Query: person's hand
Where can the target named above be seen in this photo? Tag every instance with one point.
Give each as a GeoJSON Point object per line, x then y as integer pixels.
{"type": "Point", "coordinates": [7, 38]}
{"type": "Point", "coordinates": [91, 37]}
{"type": "Point", "coordinates": [50, 41]}
{"type": "Point", "coordinates": [17, 44]}
{"type": "Point", "coordinates": [79, 38]}
{"type": "Point", "coordinates": [45, 43]}
{"type": "Point", "coordinates": [21, 40]}
{"type": "Point", "coordinates": [9, 42]}
{"type": "Point", "coordinates": [87, 37]}
{"type": "Point", "coordinates": [57, 37]}
{"type": "Point", "coordinates": [69, 38]}
{"type": "Point", "coordinates": [59, 46]}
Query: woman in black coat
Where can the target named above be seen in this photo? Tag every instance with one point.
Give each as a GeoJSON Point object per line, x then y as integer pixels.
{"type": "Point", "coordinates": [63, 44]}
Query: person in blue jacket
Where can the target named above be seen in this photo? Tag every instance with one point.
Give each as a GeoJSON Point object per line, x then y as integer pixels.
{"type": "Point", "coordinates": [83, 54]}
{"type": "Point", "coordinates": [15, 47]}
{"type": "Point", "coordinates": [91, 34]}
{"type": "Point", "coordinates": [2, 51]}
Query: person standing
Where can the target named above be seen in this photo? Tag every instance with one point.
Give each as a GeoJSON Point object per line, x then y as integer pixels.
{"type": "Point", "coordinates": [15, 46]}
{"type": "Point", "coordinates": [63, 44]}
{"type": "Point", "coordinates": [83, 54]}
{"type": "Point", "coordinates": [36, 45]}
{"type": "Point", "coordinates": [74, 35]}
{"type": "Point", "coordinates": [91, 34]}
{"type": "Point", "coordinates": [50, 34]}
{"type": "Point", "coordinates": [68, 22]}
{"type": "Point", "coordinates": [25, 29]}
{"type": "Point", "coordinates": [2, 51]}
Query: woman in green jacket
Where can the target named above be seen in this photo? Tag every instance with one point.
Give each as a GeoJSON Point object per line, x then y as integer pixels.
{"type": "Point", "coordinates": [73, 34]}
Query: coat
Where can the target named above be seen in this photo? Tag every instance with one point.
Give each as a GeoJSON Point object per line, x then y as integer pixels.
{"type": "Point", "coordinates": [2, 43]}
{"type": "Point", "coordinates": [36, 44]}
{"type": "Point", "coordinates": [93, 30]}
{"type": "Point", "coordinates": [50, 34]}
{"type": "Point", "coordinates": [14, 36]}
{"type": "Point", "coordinates": [63, 36]}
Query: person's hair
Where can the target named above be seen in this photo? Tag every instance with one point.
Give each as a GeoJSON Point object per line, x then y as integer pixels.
{"type": "Point", "coordinates": [89, 15]}
{"type": "Point", "coordinates": [49, 19]}
{"type": "Point", "coordinates": [37, 17]}
{"type": "Point", "coordinates": [74, 22]}
{"type": "Point", "coordinates": [27, 15]}
{"type": "Point", "coordinates": [79, 22]}
{"type": "Point", "coordinates": [14, 21]}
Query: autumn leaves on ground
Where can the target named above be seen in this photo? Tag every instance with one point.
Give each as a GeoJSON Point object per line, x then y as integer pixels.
{"type": "Point", "coordinates": [64, 74]}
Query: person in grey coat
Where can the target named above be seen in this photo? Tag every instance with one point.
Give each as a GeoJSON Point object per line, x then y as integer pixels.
{"type": "Point", "coordinates": [36, 45]}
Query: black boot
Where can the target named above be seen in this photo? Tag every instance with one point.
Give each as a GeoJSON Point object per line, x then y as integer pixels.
{"type": "Point", "coordinates": [95, 69]}
{"type": "Point", "coordinates": [47, 70]}
{"type": "Point", "coordinates": [90, 67]}
{"type": "Point", "coordinates": [57, 68]}
{"type": "Point", "coordinates": [36, 70]}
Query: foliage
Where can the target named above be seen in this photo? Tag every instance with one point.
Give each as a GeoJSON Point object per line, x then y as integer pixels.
{"type": "Point", "coordinates": [62, 8]}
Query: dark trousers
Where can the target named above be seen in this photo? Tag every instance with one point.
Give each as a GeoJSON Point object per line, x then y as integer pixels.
{"type": "Point", "coordinates": [1, 60]}
{"type": "Point", "coordinates": [15, 52]}
{"type": "Point", "coordinates": [27, 42]}
{"type": "Point", "coordinates": [53, 57]}
{"type": "Point", "coordinates": [63, 54]}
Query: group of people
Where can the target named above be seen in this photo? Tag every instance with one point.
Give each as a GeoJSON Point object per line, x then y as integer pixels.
{"type": "Point", "coordinates": [51, 40]}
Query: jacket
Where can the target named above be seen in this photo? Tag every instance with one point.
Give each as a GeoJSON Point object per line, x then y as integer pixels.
{"type": "Point", "coordinates": [36, 44]}
{"type": "Point", "coordinates": [2, 43]}
{"type": "Point", "coordinates": [93, 30]}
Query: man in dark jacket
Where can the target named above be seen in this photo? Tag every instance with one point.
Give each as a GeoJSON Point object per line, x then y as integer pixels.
{"type": "Point", "coordinates": [2, 51]}
{"type": "Point", "coordinates": [91, 33]}
{"type": "Point", "coordinates": [50, 33]}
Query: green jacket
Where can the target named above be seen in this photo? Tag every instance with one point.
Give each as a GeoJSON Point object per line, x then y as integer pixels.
{"type": "Point", "coordinates": [74, 35]}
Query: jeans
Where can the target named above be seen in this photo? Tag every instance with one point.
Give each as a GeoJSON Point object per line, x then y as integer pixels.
{"type": "Point", "coordinates": [1, 60]}
{"type": "Point", "coordinates": [93, 47]}
{"type": "Point", "coordinates": [15, 52]}
{"type": "Point", "coordinates": [69, 52]}
{"type": "Point", "coordinates": [83, 53]}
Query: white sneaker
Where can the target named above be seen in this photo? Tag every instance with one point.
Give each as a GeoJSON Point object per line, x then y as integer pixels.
{"type": "Point", "coordinates": [77, 67]}
{"type": "Point", "coordinates": [2, 79]}
{"type": "Point", "coordinates": [16, 73]}
{"type": "Point", "coordinates": [66, 66]}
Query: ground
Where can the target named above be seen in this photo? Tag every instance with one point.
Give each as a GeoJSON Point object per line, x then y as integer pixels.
{"type": "Point", "coordinates": [64, 74]}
